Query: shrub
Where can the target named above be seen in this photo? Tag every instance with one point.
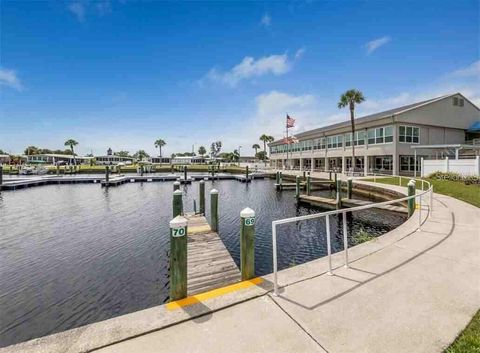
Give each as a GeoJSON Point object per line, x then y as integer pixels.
{"type": "Point", "coordinates": [467, 179]}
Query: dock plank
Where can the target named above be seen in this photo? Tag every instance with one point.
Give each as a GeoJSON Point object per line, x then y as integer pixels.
{"type": "Point", "coordinates": [209, 263]}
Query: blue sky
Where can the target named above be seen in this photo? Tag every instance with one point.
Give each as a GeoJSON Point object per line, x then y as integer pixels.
{"type": "Point", "coordinates": [121, 74]}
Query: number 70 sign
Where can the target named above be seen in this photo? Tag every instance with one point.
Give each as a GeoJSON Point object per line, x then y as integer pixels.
{"type": "Point", "coordinates": [179, 232]}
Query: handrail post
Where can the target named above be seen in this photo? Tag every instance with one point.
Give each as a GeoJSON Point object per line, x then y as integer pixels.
{"type": "Point", "coordinates": [178, 258]}
{"type": "Point", "coordinates": [431, 199]}
{"type": "Point", "coordinates": [329, 247]}
{"type": "Point", "coordinates": [201, 190]}
{"type": "Point", "coordinates": [420, 212]}
{"type": "Point", "coordinates": [399, 180]}
{"type": "Point", "coordinates": [345, 238]}
{"type": "Point", "coordinates": [274, 245]}
{"type": "Point", "coordinates": [411, 200]}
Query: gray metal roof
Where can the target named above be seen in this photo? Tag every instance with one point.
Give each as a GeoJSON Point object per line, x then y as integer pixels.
{"type": "Point", "coordinates": [371, 117]}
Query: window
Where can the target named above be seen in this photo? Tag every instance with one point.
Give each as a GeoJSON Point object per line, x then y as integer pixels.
{"type": "Point", "coordinates": [379, 135]}
{"type": "Point", "coordinates": [360, 138]}
{"type": "Point", "coordinates": [459, 102]}
{"type": "Point", "coordinates": [335, 141]}
{"type": "Point", "coordinates": [388, 134]}
{"type": "Point", "coordinates": [371, 136]}
{"type": "Point", "coordinates": [383, 163]}
{"type": "Point", "coordinates": [407, 163]}
{"type": "Point", "coordinates": [409, 134]}
{"type": "Point", "coordinates": [348, 139]}
{"type": "Point", "coordinates": [319, 144]}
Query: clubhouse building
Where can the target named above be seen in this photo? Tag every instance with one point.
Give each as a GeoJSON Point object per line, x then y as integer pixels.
{"type": "Point", "coordinates": [390, 142]}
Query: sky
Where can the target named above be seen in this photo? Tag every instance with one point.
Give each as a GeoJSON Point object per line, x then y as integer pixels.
{"type": "Point", "coordinates": [122, 74]}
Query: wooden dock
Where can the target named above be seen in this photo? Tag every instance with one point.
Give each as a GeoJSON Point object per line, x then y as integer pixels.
{"type": "Point", "coordinates": [315, 185]}
{"type": "Point", "coordinates": [332, 204]}
{"type": "Point", "coordinates": [209, 263]}
{"type": "Point", "coordinates": [116, 180]}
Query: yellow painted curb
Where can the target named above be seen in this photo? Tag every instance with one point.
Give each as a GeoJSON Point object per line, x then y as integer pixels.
{"type": "Point", "coordinates": [197, 298]}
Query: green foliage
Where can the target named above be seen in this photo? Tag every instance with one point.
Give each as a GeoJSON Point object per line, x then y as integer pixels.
{"type": "Point", "coordinates": [2, 152]}
{"type": "Point", "coordinates": [215, 148]}
{"type": "Point", "coordinates": [262, 155]}
{"type": "Point", "coordinates": [31, 150]}
{"type": "Point", "coordinates": [266, 139]}
{"type": "Point", "coordinates": [350, 98]}
{"type": "Point", "coordinates": [122, 154]}
{"type": "Point", "coordinates": [469, 193]}
{"type": "Point", "coordinates": [469, 340]}
{"type": "Point", "coordinates": [467, 179]}
{"type": "Point", "coordinates": [160, 143]}
{"type": "Point", "coordinates": [141, 155]}
{"type": "Point", "coordinates": [202, 151]}
{"type": "Point", "coordinates": [362, 236]}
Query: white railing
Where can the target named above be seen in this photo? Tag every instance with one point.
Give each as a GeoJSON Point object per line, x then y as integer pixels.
{"type": "Point", "coordinates": [327, 215]}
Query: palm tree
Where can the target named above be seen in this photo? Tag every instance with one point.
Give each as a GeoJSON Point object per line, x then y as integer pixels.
{"type": "Point", "coordinates": [160, 143]}
{"type": "Point", "coordinates": [350, 98]}
{"type": "Point", "coordinates": [256, 146]}
{"type": "Point", "coordinates": [70, 143]}
{"type": "Point", "coordinates": [202, 151]}
{"type": "Point", "coordinates": [266, 139]}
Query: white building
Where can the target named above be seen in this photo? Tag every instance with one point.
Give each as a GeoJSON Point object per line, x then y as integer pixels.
{"type": "Point", "coordinates": [383, 141]}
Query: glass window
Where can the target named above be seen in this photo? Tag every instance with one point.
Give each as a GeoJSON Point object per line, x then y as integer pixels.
{"type": "Point", "coordinates": [360, 138]}
{"type": "Point", "coordinates": [409, 134]}
{"type": "Point", "coordinates": [371, 136]}
{"type": "Point", "coordinates": [388, 134]}
{"type": "Point", "coordinates": [379, 135]}
{"type": "Point", "coordinates": [348, 139]}
{"type": "Point", "coordinates": [340, 140]}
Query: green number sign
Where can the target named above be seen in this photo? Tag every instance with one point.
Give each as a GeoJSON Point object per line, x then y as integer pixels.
{"type": "Point", "coordinates": [250, 221]}
{"type": "Point", "coordinates": [179, 232]}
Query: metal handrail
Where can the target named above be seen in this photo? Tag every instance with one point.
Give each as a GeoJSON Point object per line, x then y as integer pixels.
{"type": "Point", "coordinates": [344, 211]}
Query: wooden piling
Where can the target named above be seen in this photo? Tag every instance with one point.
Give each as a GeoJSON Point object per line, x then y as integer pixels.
{"type": "Point", "coordinates": [185, 173]}
{"type": "Point", "coordinates": [247, 244]}
{"type": "Point", "coordinates": [297, 187]}
{"type": "Point", "coordinates": [176, 185]}
{"type": "Point", "coordinates": [214, 210]}
{"type": "Point", "coordinates": [349, 188]}
{"type": "Point", "coordinates": [107, 175]}
{"type": "Point", "coordinates": [178, 258]}
{"type": "Point", "coordinates": [309, 185]}
{"type": "Point", "coordinates": [201, 189]}
{"type": "Point", "coordinates": [177, 205]}
{"type": "Point", "coordinates": [339, 192]}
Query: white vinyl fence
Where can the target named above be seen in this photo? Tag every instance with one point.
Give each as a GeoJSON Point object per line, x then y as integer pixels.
{"type": "Point", "coordinates": [460, 166]}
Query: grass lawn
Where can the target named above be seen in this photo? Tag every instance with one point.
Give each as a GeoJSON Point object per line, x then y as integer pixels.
{"type": "Point", "coordinates": [469, 340]}
{"type": "Point", "coordinates": [456, 189]}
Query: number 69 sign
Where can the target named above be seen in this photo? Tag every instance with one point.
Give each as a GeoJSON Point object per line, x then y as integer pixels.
{"type": "Point", "coordinates": [249, 221]}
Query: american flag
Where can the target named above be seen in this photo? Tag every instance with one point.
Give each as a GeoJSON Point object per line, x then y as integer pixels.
{"type": "Point", "coordinates": [290, 122]}
{"type": "Point", "coordinates": [289, 140]}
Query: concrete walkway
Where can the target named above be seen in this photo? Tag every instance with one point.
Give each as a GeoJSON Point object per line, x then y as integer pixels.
{"type": "Point", "coordinates": [407, 291]}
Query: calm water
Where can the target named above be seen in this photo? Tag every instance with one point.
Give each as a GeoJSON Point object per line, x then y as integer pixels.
{"type": "Point", "coordinates": [76, 254]}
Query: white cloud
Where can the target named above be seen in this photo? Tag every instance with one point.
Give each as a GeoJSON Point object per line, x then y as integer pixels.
{"type": "Point", "coordinates": [9, 78]}
{"type": "Point", "coordinates": [473, 70]}
{"type": "Point", "coordinates": [78, 9]}
{"type": "Point", "coordinates": [250, 67]}
{"type": "Point", "coordinates": [266, 20]}
{"type": "Point", "coordinates": [376, 43]}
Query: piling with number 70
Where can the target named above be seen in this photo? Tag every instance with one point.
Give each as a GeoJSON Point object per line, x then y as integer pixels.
{"type": "Point", "coordinates": [247, 243]}
{"type": "Point", "coordinates": [178, 258]}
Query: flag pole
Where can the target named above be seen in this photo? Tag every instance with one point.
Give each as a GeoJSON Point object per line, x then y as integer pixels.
{"type": "Point", "coordinates": [288, 144]}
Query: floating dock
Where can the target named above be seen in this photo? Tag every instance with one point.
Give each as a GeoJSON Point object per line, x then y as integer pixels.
{"type": "Point", "coordinates": [209, 263]}
{"type": "Point", "coordinates": [115, 180]}
{"type": "Point", "coordinates": [332, 203]}
{"type": "Point", "coordinates": [315, 185]}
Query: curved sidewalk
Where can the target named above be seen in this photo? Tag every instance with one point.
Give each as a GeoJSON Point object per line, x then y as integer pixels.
{"type": "Point", "coordinates": [411, 292]}
{"type": "Point", "coordinates": [406, 291]}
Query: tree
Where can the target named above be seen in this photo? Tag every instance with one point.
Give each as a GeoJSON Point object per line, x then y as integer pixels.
{"type": "Point", "coordinates": [266, 139]}
{"type": "Point", "coordinates": [215, 148]}
{"type": "Point", "coordinates": [70, 143]}
{"type": "Point", "coordinates": [202, 151]}
{"type": "Point", "coordinates": [141, 155]}
{"type": "Point", "coordinates": [262, 155]}
{"type": "Point", "coordinates": [122, 154]}
{"type": "Point", "coordinates": [256, 146]}
{"type": "Point", "coordinates": [160, 143]}
{"type": "Point", "coordinates": [350, 98]}
{"type": "Point", "coordinates": [31, 150]}
{"type": "Point", "coordinates": [2, 152]}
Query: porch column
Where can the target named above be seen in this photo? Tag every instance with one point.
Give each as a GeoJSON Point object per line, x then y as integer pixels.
{"type": "Point", "coordinates": [327, 164]}
{"type": "Point", "coordinates": [365, 165]}
{"type": "Point", "coordinates": [312, 164]}
{"type": "Point", "coordinates": [343, 165]}
{"type": "Point", "coordinates": [301, 163]}
{"type": "Point", "coordinates": [395, 151]}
